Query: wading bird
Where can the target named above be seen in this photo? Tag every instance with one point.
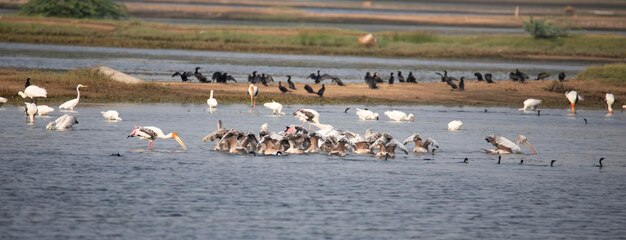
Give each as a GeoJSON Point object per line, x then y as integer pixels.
{"type": "Point", "coordinates": [154, 133]}
{"type": "Point", "coordinates": [399, 116]}
{"type": "Point", "coordinates": [33, 92]}
{"type": "Point", "coordinates": [212, 102]}
{"type": "Point", "coordinates": [2, 101]}
{"type": "Point", "coordinates": [69, 105]}
{"type": "Point", "coordinates": [609, 99]}
{"type": "Point", "coordinates": [531, 104]}
{"type": "Point", "coordinates": [307, 115]}
{"type": "Point", "coordinates": [253, 91]}
{"type": "Point", "coordinates": [62, 123]}
{"type": "Point", "coordinates": [506, 146]}
{"type": "Point", "coordinates": [573, 98]}
{"type": "Point", "coordinates": [365, 114]}
{"type": "Point", "coordinates": [275, 107]}
{"type": "Point", "coordinates": [43, 110]}
{"type": "Point", "coordinates": [30, 110]}
{"type": "Point", "coordinates": [455, 125]}
{"type": "Point", "coordinates": [111, 115]}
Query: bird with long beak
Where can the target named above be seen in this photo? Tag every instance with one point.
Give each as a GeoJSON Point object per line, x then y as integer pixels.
{"type": "Point", "coordinates": [573, 97]}
{"type": "Point", "coordinates": [153, 133]}
{"type": "Point", "coordinates": [506, 146]}
{"type": "Point", "coordinates": [609, 99]}
{"type": "Point", "coordinates": [253, 91]}
{"type": "Point", "coordinates": [30, 111]}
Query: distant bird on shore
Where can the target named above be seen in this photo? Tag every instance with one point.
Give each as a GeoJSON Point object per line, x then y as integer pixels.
{"type": "Point", "coordinates": [445, 77]}
{"type": "Point", "coordinates": [455, 125]}
{"type": "Point", "coordinates": [153, 133]}
{"type": "Point", "coordinates": [451, 84]}
{"type": "Point", "coordinates": [399, 116]}
{"type": "Point", "coordinates": [370, 81]}
{"type": "Point", "coordinates": [212, 102]}
{"type": "Point", "coordinates": [253, 91]}
{"type": "Point", "coordinates": [43, 110]}
{"type": "Point", "coordinates": [321, 91]}
{"type": "Point", "coordinates": [411, 78]}
{"type": "Point", "coordinates": [199, 76]}
{"type": "Point", "coordinates": [277, 108]}
{"type": "Point", "coordinates": [111, 115]}
{"type": "Point", "coordinates": [184, 76]}
{"type": "Point", "coordinates": [62, 123]}
{"type": "Point", "coordinates": [309, 89]}
{"type": "Point", "coordinates": [400, 77]}
{"type": "Point", "coordinates": [27, 83]}
{"type": "Point", "coordinates": [319, 78]}
{"type": "Point", "coordinates": [30, 110]}
{"type": "Point", "coordinates": [542, 76]}
{"type": "Point", "coordinates": [530, 103]}
{"type": "Point", "coordinates": [2, 101]}
{"type": "Point", "coordinates": [561, 76]}
{"type": "Point", "coordinates": [488, 78]}
{"type": "Point", "coordinates": [609, 99]}
{"type": "Point", "coordinates": [222, 77]}
{"type": "Point", "coordinates": [290, 83]}
{"type": "Point", "coordinates": [391, 78]}
{"type": "Point", "coordinates": [462, 84]}
{"type": "Point", "coordinates": [479, 76]}
{"type": "Point", "coordinates": [71, 104]}
{"type": "Point", "coordinates": [521, 77]}
{"type": "Point", "coordinates": [282, 88]}
{"type": "Point", "coordinates": [573, 98]}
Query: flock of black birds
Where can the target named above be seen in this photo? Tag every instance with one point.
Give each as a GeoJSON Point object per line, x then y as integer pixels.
{"type": "Point", "coordinates": [218, 77]}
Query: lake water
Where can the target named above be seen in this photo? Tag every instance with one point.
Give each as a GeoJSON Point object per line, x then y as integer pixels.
{"type": "Point", "coordinates": [59, 185]}
{"type": "Point", "coordinates": [160, 64]}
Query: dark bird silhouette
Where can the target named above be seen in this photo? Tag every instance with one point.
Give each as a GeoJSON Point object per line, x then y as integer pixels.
{"type": "Point", "coordinates": [451, 83]}
{"type": "Point", "coordinates": [600, 163]}
{"type": "Point", "coordinates": [520, 75]}
{"type": "Point", "coordinates": [391, 78]}
{"type": "Point", "coordinates": [411, 78]}
{"type": "Point", "coordinates": [377, 78]}
{"type": "Point", "coordinates": [400, 77]}
{"type": "Point", "coordinates": [538, 112]}
{"type": "Point", "coordinates": [542, 76]}
{"type": "Point", "coordinates": [499, 158]}
{"type": "Point", "coordinates": [27, 83]}
{"type": "Point", "coordinates": [479, 76]}
{"type": "Point", "coordinates": [338, 81]}
{"type": "Point", "coordinates": [253, 78]}
{"type": "Point", "coordinates": [281, 88]}
{"type": "Point", "coordinates": [488, 78]}
{"type": "Point", "coordinates": [346, 111]}
{"type": "Point", "coordinates": [319, 78]}
{"type": "Point", "coordinates": [116, 155]}
{"type": "Point", "coordinates": [290, 83]}
{"type": "Point", "coordinates": [371, 83]}
{"type": "Point", "coordinates": [521, 161]}
{"type": "Point", "coordinates": [263, 79]}
{"type": "Point", "coordinates": [585, 120]}
{"type": "Point", "coordinates": [308, 89]}
{"type": "Point", "coordinates": [321, 91]}
{"type": "Point", "coordinates": [561, 76]}
{"type": "Point", "coordinates": [199, 76]}
{"type": "Point", "coordinates": [513, 76]}
{"type": "Point", "coordinates": [465, 160]}
{"type": "Point", "coordinates": [222, 77]}
{"type": "Point", "coordinates": [552, 163]}
{"type": "Point", "coordinates": [445, 77]}
{"type": "Point", "coordinates": [462, 84]}
{"type": "Point", "coordinates": [184, 76]}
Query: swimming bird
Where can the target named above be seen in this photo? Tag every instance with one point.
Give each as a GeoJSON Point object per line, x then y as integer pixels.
{"type": "Point", "coordinates": [542, 76]}
{"type": "Point", "coordinates": [488, 78]}
{"type": "Point", "coordinates": [499, 158]}
{"type": "Point", "coordinates": [561, 76]}
{"type": "Point", "coordinates": [521, 161]}
{"type": "Point", "coordinates": [290, 83]}
{"type": "Point", "coordinates": [609, 99]}
{"type": "Point", "coordinates": [391, 78]}
{"type": "Point", "coordinates": [552, 163]}
{"type": "Point", "coordinates": [585, 119]}
{"type": "Point", "coordinates": [275, 107]}
{"type": "Point", "coordinates": [365, 114]}
{"type": "Point", "coordinates": [184, 76]}
{"type": "Point", "coordinates": [212, 102]}
{"type": "Point", "coordinates": [506, 146]}
{"type": "Point", "coordinates": [253, 91]}
{"type": "Point", "coordinates": [153, 133]}
{"type": "Point", "coordinates": [462, 84]}
{"type": "Point", "coordinates": [465, 160]}
{"type": "Point", "coordinates": [43, 110]}
{"type": "Point", "coordinates": [421, 147]}
{"type": "Point", "coordinates": [411, 78]}
{"type": "Point", "coordinates": [321, 91]}
{"type": "Point", "coordinates": [33, 92]}
{"type": "Point", "coordinates": [399, 116]}
{"type": "Point", "coordinates": [62, 123]}
{"type": "Point", "coordinates": [531, 104]}
{"type": "Point", "coordinates": [573, 98]}
{"type": "Point", "coordinates": [599, 163]}
{"type": "Point", "coordinates": [309, 89]}
{"type": "Point", "coordinates": [69, 105]}
{"type": "Point", "coordinates": [199, 75]}
{"type": "Point", "coordinates": [111, 115]}
{"type": "Point", "coordinates": [479, 76]}
{"type": "Point", "coordinates": [217, 135]}
{"type": "Point", "coordinates": [400, 77]}
{"type": "Point", "coordinates": [307, 115]}
{"type": "Point", "coordinates": [455, 125]}
{"type": "Point", "coordinates": [30, 110]}
{"type": "Point", "coordinates": [2, 101]}
{"type": "Point", "coordinates": [282, 88]}
{"type": "Point", "coordinates": [346, 111]}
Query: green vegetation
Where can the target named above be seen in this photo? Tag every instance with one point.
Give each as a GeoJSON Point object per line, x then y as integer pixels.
{"type": "Point", "coordinates": [543, 29]}
{"type": "Point", "coordinates": [613, 73]}
{"type": "Point", "coordinates": [102, 9]}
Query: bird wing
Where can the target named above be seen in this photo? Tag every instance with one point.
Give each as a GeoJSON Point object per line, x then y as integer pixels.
{"type": "Point", "coordinates": [502, 142]}
{"type": "Point", "coordinates": [410, 138]}
{"type": "Point", "coordinates": [69, 104]}
{"type": "Point", "coordinates": [399, 145]}
{"type": "Point", "coordinates": [36, 91]}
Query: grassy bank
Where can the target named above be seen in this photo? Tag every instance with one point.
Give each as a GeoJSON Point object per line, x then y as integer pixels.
{"type": "Point", "coordinates": [61, 87]}
{"type": "Point", "coordinates": [140, 34]}
{"type": "Point", "coordinates": [610, 73]}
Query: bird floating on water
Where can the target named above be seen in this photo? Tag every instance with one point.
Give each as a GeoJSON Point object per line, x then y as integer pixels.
{"type": "Point", "coordinates": [506, 146]}
{"type": "Point", "coordinates": [111, 115]}
{"type": "Point", "coordinates": [43, 110]}
{"type": "Point", "coordinates": [455, 125]}
{"type": "Point", "coordinates": [62, 123]}
{"type": "Point", "coordinates": [365, 114]}
{"type": "Point", "coordinates": [399, 116]}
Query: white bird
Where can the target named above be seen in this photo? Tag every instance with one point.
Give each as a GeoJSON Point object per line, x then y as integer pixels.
{"type": "Point", "coordinates": [253, 91]}
{"type": "Point", "coordinates": [609, 99]}
{"type": "Point", "coordinates": [43, 110]}
{"type": "Point", "coordinates": [153, 133]}
{"type": "Point", "coordinates": [505, 146]}
{"type": "Point", "coordinates": [399, 116]}
{"type": "Point", "coordinates": [455, 125]}
{"type": "Point", "coordinates": [2, 101]}
{"type": "Point", "coordinates": [276, 108]}
{"type": "Point", "coordinates": [111, 115]}
{"type": "Point", "coordinates": [530, 103]}
{"type": "Point", "coordinates": [308, 115]}
{"type": "Point", "coordinates": [365, 114]}
{"type": "Point", "coordinates": [212, 102]}
{"type": "Point", "coordinates": [30, 111]}
{"type": "Point", "coordinates": [62, 123]}
{"type": "Point", "coordinates": [33, 92]}
{"type": "Point", "coordinates": [69, 105]}
{"type": "Point", "coordinates": [573, 98]}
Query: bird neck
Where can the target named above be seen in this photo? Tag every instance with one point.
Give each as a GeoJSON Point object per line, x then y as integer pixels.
{"type": "Point", "coordinates": [211, 94]}
{"type": "Point", "coordinates": [77, 93]}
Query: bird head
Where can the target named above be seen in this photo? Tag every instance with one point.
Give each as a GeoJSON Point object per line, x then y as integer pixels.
{"type": "Point", "coordinates": [80, 85]}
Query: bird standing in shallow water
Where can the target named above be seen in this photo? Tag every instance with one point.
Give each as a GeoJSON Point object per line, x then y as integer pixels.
{"type": "Point", "coordinates": [253, 91]}
{"type": "Point", "coordinates": [212, 102]}
{"type": "Point", "coordinates": [573, 97]}
{"type": "Point", "coordinates": [69, 105]}
{"type": "Point", "coordinates": [154, 133]}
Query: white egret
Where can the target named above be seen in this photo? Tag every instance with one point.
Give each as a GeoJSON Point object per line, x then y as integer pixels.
{"type": "Point", "coordinates": [69, 105]}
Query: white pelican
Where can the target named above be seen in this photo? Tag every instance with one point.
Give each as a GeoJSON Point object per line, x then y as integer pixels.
{"type": "Point", "coordinates": [62, 123]}
{"type": "Point", "coordinates": [2, 101]}
{"type": "Point", "coordinates": [212, 102]}
{"type": "Point", "coordinates": [455, 125]}
{"type": "Point", "coordinates": [609, 99]}
{"type": "Point", "coordinates": [111, 115]}
{"type": "Point", "coordinates": [399, 116]}
{"type": "Point", "coordinates": [152, 133]}
{"type": "Point", "coordinates": [573, 98]}
{"type": "Point", "coordinates": [253, 91]}
{"type": "Point", "coordinates": [505, 146]}
{"type": "Point", "coordinates": [365, 114]}
{"type": "Point", "coordinates": [33, 92]}
{"type": "Point", "coordinates": [421, 147]}
{"type": "Point", "coordinates": [276, 108]}
{"type": "Point", "coordinates": [30, 111]}
{"type": "Point", "coordinates": [43, 110]}
{"type": "Point", "coordinates": [69, 105]}
{"type": "Point", "coordinates": [308, 115]}
{"type": "Point", "coordinates": [530, 103]}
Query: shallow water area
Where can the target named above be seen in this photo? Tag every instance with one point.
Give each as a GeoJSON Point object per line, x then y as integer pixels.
{"type": "Point", "coordinates": [62, 184]}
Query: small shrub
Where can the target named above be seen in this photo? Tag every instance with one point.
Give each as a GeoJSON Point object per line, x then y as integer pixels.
{"type": "Point", "coordinates": [106, 9]}
{"type": "Point", "coordinates": [543, 29]}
